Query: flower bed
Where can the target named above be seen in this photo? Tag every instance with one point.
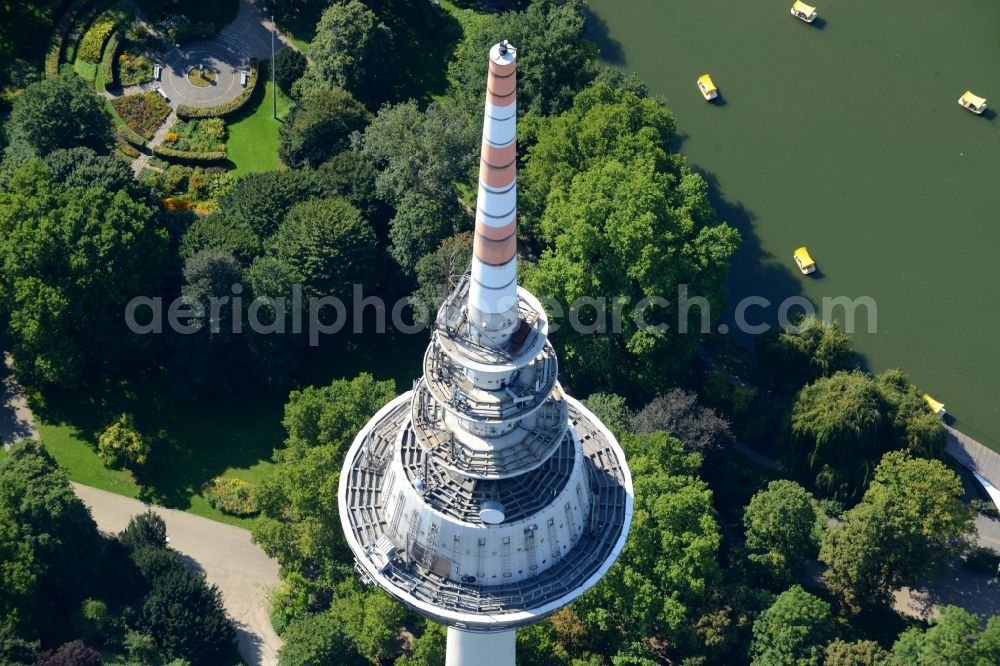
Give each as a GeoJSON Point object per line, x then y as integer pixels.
{"type": "Point", "coordinates": [222, 110]}
{"type": "Point", "coordinates": [232, 496]}
{"type": "Point", "coordinates": [134, 68]}
{"type": "Point", "coordinates": [204, 135]}
{"type": "Point", "coordinates": [143, 113]}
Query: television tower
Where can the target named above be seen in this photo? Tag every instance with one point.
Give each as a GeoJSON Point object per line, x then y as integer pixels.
{"type": "Point", "coordinates": [486, 498]}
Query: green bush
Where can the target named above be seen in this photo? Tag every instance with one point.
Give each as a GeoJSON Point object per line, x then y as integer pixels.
{"type": "Point", "coordinates": [190, 157]}
{"type": "Point", "coordinates": [230, 107]}
{"type": "Point", "coordinates": [59, 34]}
{"type": "Point", "coordinates": [107, 76]}
{"type": "Point", "coordinates": [121, 445]}
{"type": "Point", "coordinates": [232, 496]}
{"type": "Point", "coordinates": [143, 113]}
{"type": "Point", "coordinates": [92, 44]}
{"type": "Point", "coordinates": [985, 507]}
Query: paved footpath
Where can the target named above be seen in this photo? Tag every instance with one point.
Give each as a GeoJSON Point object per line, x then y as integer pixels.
{"type": "Point", "coordinates": [225, 553]}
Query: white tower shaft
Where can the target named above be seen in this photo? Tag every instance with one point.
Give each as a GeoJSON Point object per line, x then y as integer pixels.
{"type": "Point", "coordinates": [493, 291]}
{"type": "Point", "coordinates": [469, 648]}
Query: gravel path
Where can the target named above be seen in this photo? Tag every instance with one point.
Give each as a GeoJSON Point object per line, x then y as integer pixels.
{"type": "Point", "coordinates": [16, 419]}
{"type": "Point", "coordinates": [224, 553]}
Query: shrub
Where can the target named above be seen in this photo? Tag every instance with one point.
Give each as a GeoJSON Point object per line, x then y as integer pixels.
{"type": "Point", "coordinates": [232, 496]}
{"type": "Point", "coordinates": [92, 44]}
{"type": "Point", "coordinates": [75, 653]}
{"type": "Point", "coordinates": [232, 106]}
{"type": "Point", "coordinates": [175, 204]}
{"type": "Point", "coordinates": [122, 445]}
{"type": "Point", "coordinates": [190, 157]}
{"type": "Point", "coordinates": [985, 507]}
{"type": "Point", "coordinates": [289, 67]}
{"type": "Point", "coordinates": [143, 113]}
{"type": "Point", "coordinates": [144, 530]}
{"type": "Point", "coordinates": [59, 33]}
{"type": "Point", "coordinates": [107, 76]}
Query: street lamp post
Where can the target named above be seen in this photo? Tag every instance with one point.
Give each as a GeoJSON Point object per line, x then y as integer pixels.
{"type": "Point", "coordinates": [274, 86]}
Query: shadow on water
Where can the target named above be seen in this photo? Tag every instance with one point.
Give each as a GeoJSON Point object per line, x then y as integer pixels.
{"type": "Point", "coordinates": [754, 272]}
{"type": "Point", "coordinates": [596, 30]}
{"type": "Point", "coordinates": [719, 101]}
{"type": "Point", "coordinates": [819, 23]}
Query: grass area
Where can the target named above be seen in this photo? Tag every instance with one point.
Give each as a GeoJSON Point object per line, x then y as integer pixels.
{"type": "Point", "coordinates": [199, 79]}
{"type": "Point", "coordinates": [253, 134]}
{"type": "Point", "coordinates": [86, 70]}
{"type": "Point", "coordinates": [194, 439]}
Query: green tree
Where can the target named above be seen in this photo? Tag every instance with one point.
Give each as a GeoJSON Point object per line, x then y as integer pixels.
{"type": "Point", "coordinates": [50, 548]}
{"type": "Point", "coordinates": [554, 60]}
{"type": "Point", "coordinates": [858, 653]}
{"type": "Point", "coordinates": [350, 176]}
{"type": "Point", "coordinates": [328, 244]}
{"type": "Point", "coordinates": [439, 271]}
{"type": "Point", "coordinates": [299, 521]}
{"type": "Point", "coordinates": [59, 112]}
{"type": "Point", "coordinates": [144, 530]}
{"type": "Point", "coordinates": [82, 167]}
{"type": "Point", "coordinates": [678, 413]}
{"type": "Point", "coordinates": [72, 259]}
{"type": "Point", "coordinates": [352, 50]}
{"type": "Point", "coordinates": [612, 409]}
{"type": "Point", "coordinates": [260, 201]}
{"type": "Point", "coordinates": [289, 67]}
{"type": "Point", "coordinates": [792, 358]}
{"type": "Point", "coordinates": [420, 225]}
{"type": "Point", "coordinates": [122, 445]}
{"type": "Point", "coordinates": [186, 616]}
{"type": "Point", "coordinates": [320, 126]}
{"type": "Point", "coordinates": [428, 649]}
{"type": "Point", "coordinates": [842, 424]}
{"type": "Point", "coordinates": [784, 527]}
{"type": "Point", "coordinates": [317, 640]}
{"type": "Point", "coordinates": [793, 631]}
{"type": "Point", "coordinates": [370, 621]}
{"type": "Point", "coordinates": [669, 563]}
{"type": "Point", "coordinates": [74, 653]}
{"type": "Point", "coordinates": [620, 218]}
{"type": "Point", "coordinates": [955, 637]}
{"type": "Point", "coordinates": [218, 231]}
{"type": "Point", "coordinates": [909, 522]}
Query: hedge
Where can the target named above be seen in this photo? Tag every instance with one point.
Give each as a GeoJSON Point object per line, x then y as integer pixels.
{"type": "Point", "coordinates": [59, 34]}
{"type": "Point", "coordinates": [92, 43]}
{"type": "Point", "coordinates": [230, 107]}
{"type": "Point", "coordinates": [190, 156]}
{"type": "Point", "coordinates": [107, 77]}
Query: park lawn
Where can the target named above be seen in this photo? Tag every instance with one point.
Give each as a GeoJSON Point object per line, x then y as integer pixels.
{"type": "Point", "coordinates": [253, 135]}
{"type": "Point", "coordinates": [194, 439]}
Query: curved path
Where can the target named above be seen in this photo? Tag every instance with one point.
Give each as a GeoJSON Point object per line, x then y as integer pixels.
{"type": "Point", "coordinates": [226, 555]}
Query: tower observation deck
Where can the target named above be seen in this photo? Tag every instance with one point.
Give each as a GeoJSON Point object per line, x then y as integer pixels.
{"type": "Point", "coordinates": [486, 498]}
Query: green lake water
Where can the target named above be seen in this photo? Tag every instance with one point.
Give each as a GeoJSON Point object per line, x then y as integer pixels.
{"type": "Point", "coordinates": [846, 137]}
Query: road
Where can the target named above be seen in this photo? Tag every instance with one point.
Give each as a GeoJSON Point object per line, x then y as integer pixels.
{"type": "Point", "coordinates": [224, 553]}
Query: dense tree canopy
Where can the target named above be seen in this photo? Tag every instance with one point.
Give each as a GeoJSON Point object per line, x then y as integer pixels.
{"type": "Point", "coordinates": [328, 244]}
{"type": "Point", "coordinates": [317, 640]}
{"type": "Point", "coordinates": [784, 527]}
{"type": "Point", "coordinates": [352, 50]}
{"type": "Point", "coordinates": [621, 219]}
{"type": "Point", "coordinates": [72, 258]}
{"type": "Point", "coordinates": [793, 631]}
{"type": "Point", "coordinates": [289, 67]}
{"type": "Point", "coordinates": [909, 522]}
{"type": "Point", "coordinates": [790, 359]}
{"type": "Point", "coordinates": [668, 564]}
{"type": "Point", "coordinates": [370, 620]}
{"type": "Point", "coordinates": [439, 271]}
{"type": "Point", "coordinates": [420, 156]}
{"type": "Point", "coordinates": [840, 426]}
{"type": "Point", "coordinates": [554, 60]}
{"type": "Point", "coordinates": [955, 637]}
{"type": "Point", "coordinates": [858, 653]}
{"type": "Point", "coordinates": [320, 126]}
{"type": "Point", "coordinates": [299, 522]}
{"type": "Point", "coordinates": [58, 112]}
{"type": "Point", "coordinates": [678, 412]}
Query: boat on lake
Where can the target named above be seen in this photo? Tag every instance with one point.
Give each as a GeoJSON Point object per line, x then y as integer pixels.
{"type": "Point", "coordinates": [934, 405]}
{"type": "Point", "coordinates": [804, 261]}
{"type": "Point", "coordinates": [708, 89]}
{"type": "Point", "coordinates": [803, 12]}
{"type": "Point", "coordinates": [972, 102]}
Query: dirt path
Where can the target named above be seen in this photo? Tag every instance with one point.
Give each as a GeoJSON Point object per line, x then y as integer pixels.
{"type": "Point", "coordinates": [16, 419]}
{"type": "Point", "coordinates": [224, 553]}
